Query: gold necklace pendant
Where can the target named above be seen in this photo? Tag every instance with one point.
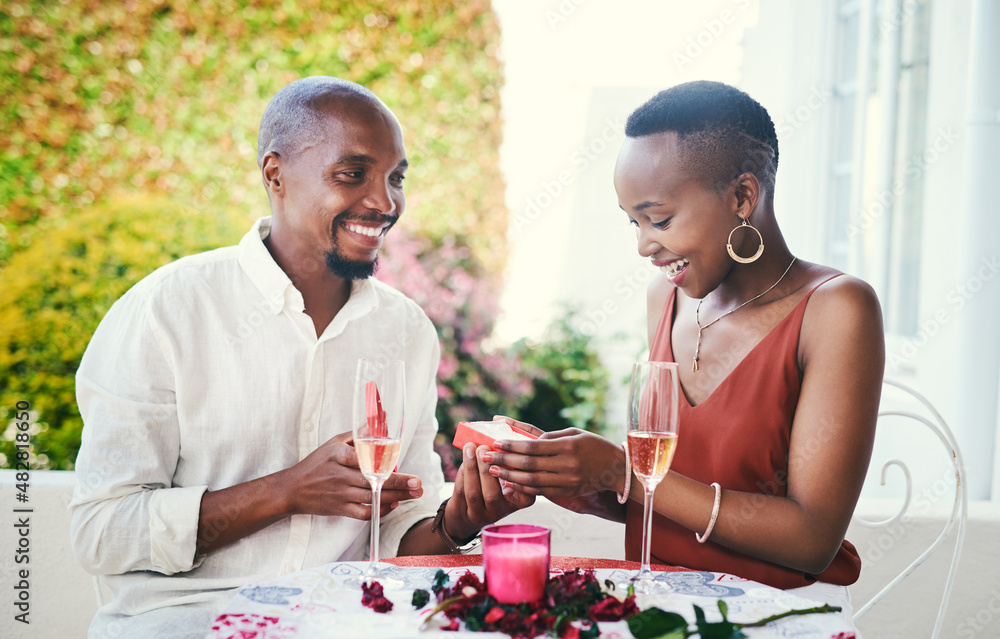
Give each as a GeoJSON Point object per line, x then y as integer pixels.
{"type": "Point", "coordinates": [697, 310]}
{"type": "Point", "coordinates": [697, 346]}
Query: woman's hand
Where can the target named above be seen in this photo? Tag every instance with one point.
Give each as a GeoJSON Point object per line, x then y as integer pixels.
{"type": "Point", "coordinates": [578, 470]}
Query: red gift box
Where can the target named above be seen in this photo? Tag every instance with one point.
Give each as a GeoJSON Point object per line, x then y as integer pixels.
{"type": "Point", "coordinates": [485, 433]}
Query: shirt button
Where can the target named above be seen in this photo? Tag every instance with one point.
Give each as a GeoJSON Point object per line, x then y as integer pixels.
{"type": "Point", "coordinates": [287, 568]}
{"type": "Point", "coordinates": [308, 427]}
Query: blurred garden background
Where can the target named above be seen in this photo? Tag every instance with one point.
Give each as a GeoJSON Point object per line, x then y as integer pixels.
{"type": "Point", "coordinates": [129, 140]}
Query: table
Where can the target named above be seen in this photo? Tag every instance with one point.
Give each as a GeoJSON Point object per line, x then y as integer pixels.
{"type": "Point", "coordinates": [315, 604]}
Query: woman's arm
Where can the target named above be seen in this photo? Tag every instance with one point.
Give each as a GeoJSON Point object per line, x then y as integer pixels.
{"type": "Point", "coordinates": [842, 356]}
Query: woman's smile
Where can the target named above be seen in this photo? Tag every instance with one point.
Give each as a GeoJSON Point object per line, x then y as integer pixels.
{"type": "Point", "coordinates": [674, 268]}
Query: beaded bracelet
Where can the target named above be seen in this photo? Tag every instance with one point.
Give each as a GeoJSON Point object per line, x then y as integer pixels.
{"type": "Point", "coordinates": [715, 514]}
{"type": "Point", "coordinates": [623, 496]}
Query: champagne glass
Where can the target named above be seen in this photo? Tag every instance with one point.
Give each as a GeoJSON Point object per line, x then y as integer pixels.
{"type": "Point", "coordinates": [652, 438]}
{"type": "Point", "coordinates": [377, 422]}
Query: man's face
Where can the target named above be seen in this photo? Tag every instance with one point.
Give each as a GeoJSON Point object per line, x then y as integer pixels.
{"type": "Point", "coordinates": [344, 190]}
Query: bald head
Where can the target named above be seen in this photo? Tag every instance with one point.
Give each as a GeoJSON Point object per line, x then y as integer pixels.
{"type": "Point", "coordinates": [294, 116]}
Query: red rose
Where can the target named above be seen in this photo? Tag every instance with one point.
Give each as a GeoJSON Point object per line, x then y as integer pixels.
{"type": "Point", "coordinates": [372, 597]}
{"type": "Point", "coordinates": [494, 615]}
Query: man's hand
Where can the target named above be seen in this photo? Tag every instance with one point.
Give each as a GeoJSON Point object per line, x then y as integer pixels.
{"type": "Point", "coordinates": [329, 482]}
{"type": "Point", "coordinates": [478, 498]}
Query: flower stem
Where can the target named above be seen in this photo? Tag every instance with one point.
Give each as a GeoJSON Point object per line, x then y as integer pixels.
{"type": "Point", "coordinates": [441, 606]}
{"type": "Point", "coordinates": [805, 611]}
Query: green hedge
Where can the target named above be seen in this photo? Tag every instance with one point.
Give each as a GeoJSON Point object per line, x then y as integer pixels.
{"type": "Point", "coordinates": [166, 96]}
{"type": "Point", "coordinates": [57, 291]}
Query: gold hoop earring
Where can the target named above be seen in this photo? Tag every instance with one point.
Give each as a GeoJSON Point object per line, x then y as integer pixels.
{"type": "Point", "coordinates": [732, 253]}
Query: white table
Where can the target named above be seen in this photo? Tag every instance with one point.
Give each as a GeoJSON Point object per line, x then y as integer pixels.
{"type": "Point", "coordinates": [315, 604]}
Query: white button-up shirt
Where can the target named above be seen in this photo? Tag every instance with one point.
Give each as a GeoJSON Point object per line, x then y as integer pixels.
{"type": "Point", "coordinates": [206, 374]}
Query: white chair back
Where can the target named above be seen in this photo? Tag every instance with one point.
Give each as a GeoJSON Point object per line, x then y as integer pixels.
{"type": "Point", "coordinates": [956, 522]}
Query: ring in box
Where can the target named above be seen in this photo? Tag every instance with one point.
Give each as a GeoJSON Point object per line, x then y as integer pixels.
{"type": "Point", "coordinates": [485, 433]}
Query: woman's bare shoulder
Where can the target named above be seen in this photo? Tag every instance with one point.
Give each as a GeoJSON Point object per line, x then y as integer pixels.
{"type": "Point", "coordinates": [840, 292]}
{"type": "Point", "coordinates": [842, 312]}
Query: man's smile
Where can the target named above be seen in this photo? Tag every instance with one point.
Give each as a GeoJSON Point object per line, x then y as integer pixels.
{"type": "Point", "coordinates": [370, 231]}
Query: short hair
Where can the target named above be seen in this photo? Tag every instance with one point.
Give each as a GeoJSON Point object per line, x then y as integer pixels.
{"type": "Point", "coordinates": [296, 112]}
{"type": "Point", "coordinates": [722, 132]}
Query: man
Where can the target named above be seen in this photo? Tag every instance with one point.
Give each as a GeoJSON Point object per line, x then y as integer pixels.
{"type": "Point", "coordinates": [216, 393]}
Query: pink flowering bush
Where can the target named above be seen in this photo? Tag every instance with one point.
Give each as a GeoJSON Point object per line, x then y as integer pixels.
{"type": "Point", "coordinates": [474, 381]}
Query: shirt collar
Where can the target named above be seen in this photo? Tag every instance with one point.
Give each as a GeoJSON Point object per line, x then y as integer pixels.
{"type": "Point", "coordinates": [264, 272]}
{"type": "Point", "coordinates": [277, 288]}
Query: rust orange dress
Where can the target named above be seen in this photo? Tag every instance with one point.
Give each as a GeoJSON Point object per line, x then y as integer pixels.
{"type": "Point", "coordinates": [739, 437]}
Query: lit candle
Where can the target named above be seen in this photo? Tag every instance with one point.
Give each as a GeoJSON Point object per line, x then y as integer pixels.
{"type": "Point", "coordinates": [516, 562]}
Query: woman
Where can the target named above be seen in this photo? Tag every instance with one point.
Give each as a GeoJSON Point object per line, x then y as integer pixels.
{"type": "Point", "coordinates": [781, 361]}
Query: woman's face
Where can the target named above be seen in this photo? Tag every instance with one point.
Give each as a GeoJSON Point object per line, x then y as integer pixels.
{"type": "Point", "coordinates": [681, 224]}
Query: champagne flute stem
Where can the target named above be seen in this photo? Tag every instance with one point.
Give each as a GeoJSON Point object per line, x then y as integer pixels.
{"type": "Point", "coordinates": [376, 514]}
{"type": "Point", "coordinates": [647, 528]}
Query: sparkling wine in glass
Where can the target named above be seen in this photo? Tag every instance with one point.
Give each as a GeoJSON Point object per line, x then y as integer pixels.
{"type": "Point", "coordinates": [377, 422]}
{"type": "Point", "coordinates": [652, 438]}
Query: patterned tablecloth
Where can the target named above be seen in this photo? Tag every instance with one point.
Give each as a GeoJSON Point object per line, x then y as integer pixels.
{"type": "Point", "coordinates": [315, 603]}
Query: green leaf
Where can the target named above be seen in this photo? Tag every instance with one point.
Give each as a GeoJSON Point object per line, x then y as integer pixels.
{"type": "Point", "coordinates": [699, 616]}
{"type": "Point", "coordinates": [420, 598]}
{"type": "Point", "coordinates": [724, 609]}
{"type": "Point", "coordinates": [719, 630]}
{"type": "Point", "coordinates": [654, 623]}
{"type": "Point", "coordinates": [440, 580]}
{"type": "Point", "coordinates": [557, 626]}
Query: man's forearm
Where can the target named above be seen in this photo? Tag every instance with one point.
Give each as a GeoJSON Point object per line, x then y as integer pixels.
{"type": "Point", "coordinates": [233, 513]}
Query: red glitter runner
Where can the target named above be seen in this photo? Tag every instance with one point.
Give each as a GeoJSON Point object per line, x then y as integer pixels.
{"type": "Point", "coordinates": [555, 563]}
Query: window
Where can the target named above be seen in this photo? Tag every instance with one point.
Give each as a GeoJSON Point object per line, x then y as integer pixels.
{"type": "Point", "coordinates": [911, 142]}
{"type": "Point", "coordinates": [842, 169]}
{"type": "Point", "coordinates": [878, 139]}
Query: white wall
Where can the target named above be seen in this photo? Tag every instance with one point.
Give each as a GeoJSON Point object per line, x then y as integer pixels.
{"type": "Point", "coordinates": [63, 597]}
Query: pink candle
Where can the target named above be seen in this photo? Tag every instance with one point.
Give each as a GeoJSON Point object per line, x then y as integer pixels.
{"type": "Point", "coordinates": [516, 562]}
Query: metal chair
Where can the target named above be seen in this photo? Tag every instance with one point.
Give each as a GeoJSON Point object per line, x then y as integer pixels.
{"type": "Point", "coordinates": [937, 425]}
